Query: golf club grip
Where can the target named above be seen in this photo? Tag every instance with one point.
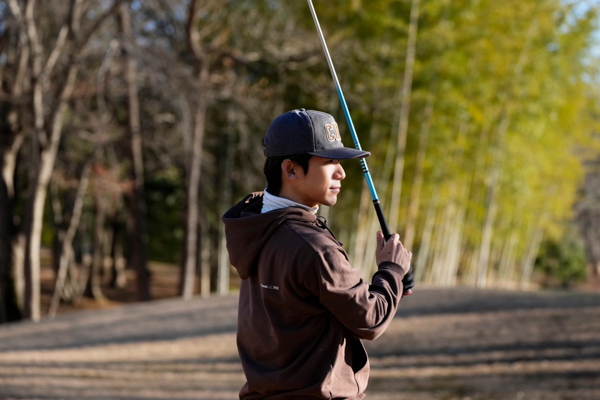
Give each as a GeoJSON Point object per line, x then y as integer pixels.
{"type": "Point", "coordinates": [384, 226]}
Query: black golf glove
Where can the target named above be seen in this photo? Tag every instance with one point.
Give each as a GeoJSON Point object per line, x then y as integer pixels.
{"type": "Point", "coordinates": [408, 281]}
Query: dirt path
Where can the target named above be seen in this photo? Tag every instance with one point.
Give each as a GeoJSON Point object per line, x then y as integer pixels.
{"type": "Point", "coordinates": [444, 344]}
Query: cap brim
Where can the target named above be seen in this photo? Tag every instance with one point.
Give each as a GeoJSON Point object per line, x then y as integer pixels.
{"type": "Point", "coordinates": [341, 153]}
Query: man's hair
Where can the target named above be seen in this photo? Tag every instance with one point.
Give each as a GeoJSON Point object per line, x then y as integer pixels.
{"type": "Point", "coordinates": [273, 170]}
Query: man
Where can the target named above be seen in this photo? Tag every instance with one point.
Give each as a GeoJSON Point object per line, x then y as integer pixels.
{"type": "Point", "coordinates": [303, 309]}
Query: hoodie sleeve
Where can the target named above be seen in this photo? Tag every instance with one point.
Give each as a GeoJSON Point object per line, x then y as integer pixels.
{"type": "Point", "coordinates": [366, 310]}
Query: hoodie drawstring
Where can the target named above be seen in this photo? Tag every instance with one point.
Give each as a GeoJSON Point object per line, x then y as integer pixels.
{"type": "Point", "coordinates": [322, 222]}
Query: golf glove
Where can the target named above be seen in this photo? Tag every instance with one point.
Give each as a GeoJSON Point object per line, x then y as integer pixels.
{"type": "Point", "coordinates": [409, 280]}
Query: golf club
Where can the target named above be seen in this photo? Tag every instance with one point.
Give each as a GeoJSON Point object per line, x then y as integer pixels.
{"type": "Point", "coordinates": [378, 210]}
{"type": "Point", "coordinates": [382, 221]}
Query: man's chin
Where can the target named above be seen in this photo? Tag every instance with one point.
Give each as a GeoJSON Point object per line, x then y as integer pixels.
{"type": "Point", "coordinates": [330, 202]}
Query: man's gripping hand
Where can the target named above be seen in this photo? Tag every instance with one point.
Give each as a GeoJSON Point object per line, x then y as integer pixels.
{"type": "Point", "coordinates": [394, 251]}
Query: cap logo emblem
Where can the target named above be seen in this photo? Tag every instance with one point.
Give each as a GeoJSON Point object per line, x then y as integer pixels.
{"type": "Point", "coordinates": [333, 132]}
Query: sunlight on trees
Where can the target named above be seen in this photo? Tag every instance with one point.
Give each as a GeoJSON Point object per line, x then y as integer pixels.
{"type": "Point", "coordinates": [129, 127]}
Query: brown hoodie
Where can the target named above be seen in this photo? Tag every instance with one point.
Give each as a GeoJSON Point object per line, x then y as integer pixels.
{"type": "Point", "coordinates": [303, 309]}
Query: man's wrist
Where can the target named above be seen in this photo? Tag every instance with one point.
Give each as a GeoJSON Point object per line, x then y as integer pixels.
{"type": "Point", "coordinates": [392, 266]}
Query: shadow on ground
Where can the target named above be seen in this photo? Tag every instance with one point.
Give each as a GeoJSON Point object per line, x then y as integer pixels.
{"type": "Point", "coordinates": [444, 344]}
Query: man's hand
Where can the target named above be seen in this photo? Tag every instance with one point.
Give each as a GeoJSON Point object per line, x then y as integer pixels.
{"type": "Point", "coordinates": [392, 251]}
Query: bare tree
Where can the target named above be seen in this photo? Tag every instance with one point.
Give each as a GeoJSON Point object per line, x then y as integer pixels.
{"type": "Point", "coordinates": [51, 84]}
{"type": "Point", "coordinates": [14, 83]}
{"type": "Point", "coordinates": [201, 82]}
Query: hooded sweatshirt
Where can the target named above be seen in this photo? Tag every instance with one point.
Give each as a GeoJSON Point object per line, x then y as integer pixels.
{"type": "Point", "coordinates": [302, 308]}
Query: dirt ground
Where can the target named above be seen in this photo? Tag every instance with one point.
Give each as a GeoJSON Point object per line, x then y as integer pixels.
{"type": "Point", "coordinates": [444, 344]}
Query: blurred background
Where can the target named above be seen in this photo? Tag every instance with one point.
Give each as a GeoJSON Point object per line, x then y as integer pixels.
{"type": "Point", "coordinates": [127, 128]}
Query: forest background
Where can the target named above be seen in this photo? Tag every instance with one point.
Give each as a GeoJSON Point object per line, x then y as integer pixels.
{"type": "Point", "coordinates": [129, 127]}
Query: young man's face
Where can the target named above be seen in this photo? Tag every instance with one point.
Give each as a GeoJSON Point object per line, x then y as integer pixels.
{"type": "Point", "coordinates": [321, 184]}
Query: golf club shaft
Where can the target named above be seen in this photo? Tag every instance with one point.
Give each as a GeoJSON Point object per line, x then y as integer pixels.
{"type": "Point", "coordinates": [382, 221]}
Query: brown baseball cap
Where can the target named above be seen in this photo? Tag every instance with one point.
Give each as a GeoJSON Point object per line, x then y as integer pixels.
{"type": "Point", "coordinates": [307, 132]}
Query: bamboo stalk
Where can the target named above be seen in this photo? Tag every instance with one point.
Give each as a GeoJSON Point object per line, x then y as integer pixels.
{"type": "Point", "coordinates": [404, 115]}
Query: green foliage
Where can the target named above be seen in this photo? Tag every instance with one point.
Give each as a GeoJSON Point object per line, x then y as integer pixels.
{"type": "Point", "coordinates": [509, 83]}
{"type": "Point", "coordinates": [165, 209]}
{"type": "Point", "coordinates": [563, 260]}
{"type": "Point", "coordinates": [506, 80]}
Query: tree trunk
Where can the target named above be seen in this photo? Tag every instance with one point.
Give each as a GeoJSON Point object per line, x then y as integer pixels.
{"type": "Point", "coordinates": [66, 254]}
{"type": "Point", "coordinates": [530, 255]}
{"type": "Point", "coordinates": [507, 258]}
{"type": "Point", "coordinates": [37, 202]}
{"type": "Point", "coordinates": [11, 277]}
{"type": "Point", "coordinates": [194, 162]}
{"type": "Point", "coordinates": [9, 309]}
{"type": "Point", "coordinates": [455, 247]}
{"type": "Point", "coordinates": [425, 246]}
{"type": "Point", "coordinates": [10, 145]}
{"type": "Point", "coordinates": [118, 278]}
{"type": "Point", "coordinates": [404, 114]}
{"type": "Point", "coordinates": [536, 239]}
{"type": "Point", "coordinates": [486, 240]}
{"type": "Point", "coordinates": [471, 276]}
{"type": "Point", "coordinates": [224, 264]}
{"type": "Point", "coordinates": [139, 242]}
{"type": "Point", "coordinates": [441, 246]}
{"type": "Point", "coordinates": [5, 250]}
{"type": "Point", "coordinates": [415, 193]}
{"type": "Point", "coordinates": [93, 287]}
{"type": "Point", "coordinates": [58, 225]}
{"type": "Point", "coordinates": [448, 245]}
{"type": "Point", "coordinates": [204, 257]}
{"type": "Point", "coordinates": [192, 197]}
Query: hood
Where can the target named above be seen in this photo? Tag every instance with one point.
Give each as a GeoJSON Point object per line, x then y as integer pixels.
{"type": "Point", "coordinates": [247, 230]}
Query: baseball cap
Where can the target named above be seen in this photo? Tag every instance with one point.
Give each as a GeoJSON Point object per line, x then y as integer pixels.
{"type": "Point", "coordinates": [307, 132]}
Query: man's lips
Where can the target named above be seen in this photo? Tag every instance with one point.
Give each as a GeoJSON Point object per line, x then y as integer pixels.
{"type": "Point", "coordinates": [335, 189]}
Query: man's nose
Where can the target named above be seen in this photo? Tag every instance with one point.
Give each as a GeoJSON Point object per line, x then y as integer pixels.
{"type": "Point", "coordinates": [340, 173]}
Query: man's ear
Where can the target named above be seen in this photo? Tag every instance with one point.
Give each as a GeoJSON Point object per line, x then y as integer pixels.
{"type": "Point", "coordinates": [288, 169]}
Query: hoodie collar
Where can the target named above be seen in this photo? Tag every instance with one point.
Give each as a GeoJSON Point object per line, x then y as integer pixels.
{"type": "Point", "coordinates": [272, 202]}
{"type": "Point", "coordinates": [247, 229]}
